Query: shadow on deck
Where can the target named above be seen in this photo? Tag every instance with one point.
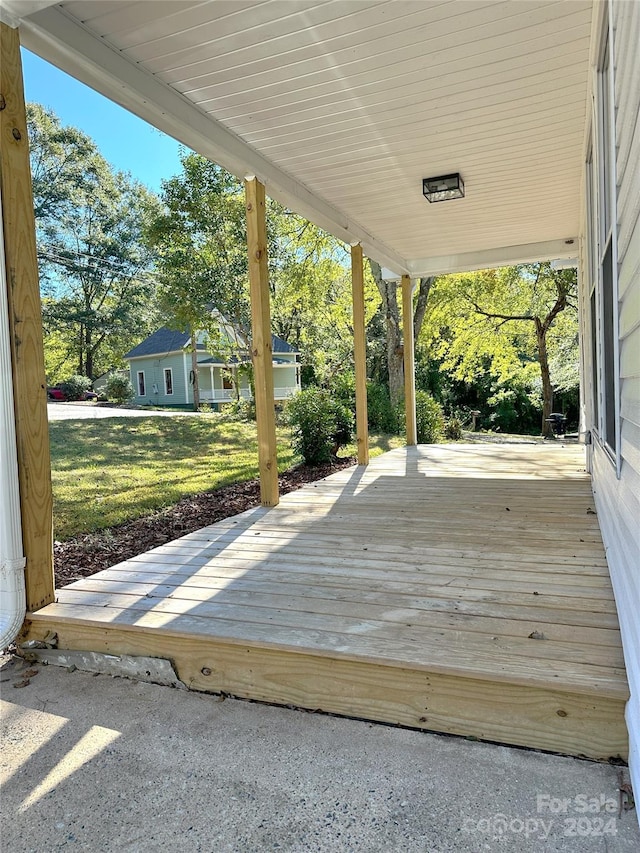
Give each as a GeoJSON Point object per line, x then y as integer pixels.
{"type": "Point", "coordinates": [456, 588]}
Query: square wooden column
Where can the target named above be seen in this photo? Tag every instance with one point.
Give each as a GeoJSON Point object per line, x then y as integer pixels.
{"type": "Point", "coordinates": [261, 343]}
{"type": "Point", "coordinates": [409, 361]}
{"type": "Point", "coordinates": [360, 354]}
{"type": "Point", "coordinates": [25, 327]}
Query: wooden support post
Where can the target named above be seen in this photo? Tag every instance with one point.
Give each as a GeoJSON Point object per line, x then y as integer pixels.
{"type": "Point", "coordinates": [360, 354]}
{"type": "Point", "coordinates": [409, 361]}
{"type": "Point", "coordinates": [25, 325]}
{"type": "Point", "coordinates": [261, 345]}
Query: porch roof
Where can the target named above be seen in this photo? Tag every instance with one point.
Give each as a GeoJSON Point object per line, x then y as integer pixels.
{"type": "Point", "coordinates": [341, 108]}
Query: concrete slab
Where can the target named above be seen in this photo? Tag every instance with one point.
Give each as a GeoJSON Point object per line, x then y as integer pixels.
{"type": "Point", "coordinates": [96, 763]}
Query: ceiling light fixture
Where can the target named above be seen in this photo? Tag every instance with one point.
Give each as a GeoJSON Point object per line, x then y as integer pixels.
{"type": "Point", "coordinates": [443, 188]}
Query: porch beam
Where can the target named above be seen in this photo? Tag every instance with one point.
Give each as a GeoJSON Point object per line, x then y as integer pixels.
{"type": "Point", "coordinates": [261, 347]}
{"type": "Point", "coordinates": [489, 258]}
{"type": "Point", "coordinates": [360, 354]}
{"type": "Point", "coordinates": [409, 362]}
{"type": "Point", "coordinates": [25, 328]}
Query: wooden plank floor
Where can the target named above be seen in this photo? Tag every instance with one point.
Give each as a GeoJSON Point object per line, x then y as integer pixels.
{"type": "Point", "coordinates": [458, 588]}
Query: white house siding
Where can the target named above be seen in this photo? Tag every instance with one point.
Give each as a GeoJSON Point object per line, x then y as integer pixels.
{"type": "Point", "coordinates": [618, 499]}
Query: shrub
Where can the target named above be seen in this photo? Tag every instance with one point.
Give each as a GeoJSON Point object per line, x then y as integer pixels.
{"type": "Point", "coordinates": [343, 388]}
{"type": "Point", "coordinates": [429, 419]}
{"type": "Point", "coordinates": [453, 429]}
{"type": "Point", "coordinates": [320, 424]}
{"type": "Point", "coordinates": [380, 412]}
{"type": "Point", "coordinates": [75, 386]}
{"type": "Point", "coordinates": [119, 389]}
{"type": "Point", "coordinates": [239, 410]}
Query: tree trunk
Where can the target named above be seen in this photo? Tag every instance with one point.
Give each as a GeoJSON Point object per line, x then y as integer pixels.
{"type": "Point", "coordinates": [81, 351]}
{"type": "Point", "coordinates": [424, 289]}
{"type": "Point", "coordinates": [547, 388]}
{"type": "Point", "coordinates": [395, 353]}
{"type": "Point", "coordinates": [395, 344]}
{"type": "Point", "coordinates": [88, 355]}
{"type": "Point", "coordinates": [395, 350]}
{"type": "Point", "coordinates": [194, 372]}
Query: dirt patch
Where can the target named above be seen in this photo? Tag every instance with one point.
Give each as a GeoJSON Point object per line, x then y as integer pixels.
{"type": "Point", "coordinates": [90, 553]}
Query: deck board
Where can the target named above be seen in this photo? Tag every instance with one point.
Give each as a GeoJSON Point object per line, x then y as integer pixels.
{"type": "Point", "coordinates": [477, 571]}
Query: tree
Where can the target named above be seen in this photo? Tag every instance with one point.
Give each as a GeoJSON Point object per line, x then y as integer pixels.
{"type": "Point", "coordinates": [505, 321]}
{"type": "Point", "coordinates": [94, 264]}
{"type": "Point", "coordinates": [311, 293]}
{"type": "Point", "coordinates": [63, 160]}
{"type": "Point", "coordinates": [200, 240]}
{"type": "Point", "coordinates": [394, 338]}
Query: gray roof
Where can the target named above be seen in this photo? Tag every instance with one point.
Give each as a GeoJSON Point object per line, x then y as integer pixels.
{"type": "Point", "coordinates": [168, 340]}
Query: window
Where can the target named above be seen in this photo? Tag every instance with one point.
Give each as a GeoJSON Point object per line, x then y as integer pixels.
{"type": "Point", "coordinates": [591, 266]}
{"type": "Point", "coordinates": [227, 382]}
{"type": "Point", "coordinates": [606, 250]}
{"type": "Point", "coordinates": [168, 381]}
{"type": "Point", "coordinates": [141, 386]}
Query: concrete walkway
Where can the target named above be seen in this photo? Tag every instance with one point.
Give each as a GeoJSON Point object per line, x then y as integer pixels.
{"type": "Point", "coordinates": [93, 763]}
{"type": "Point", "coordinates": [87, 411]}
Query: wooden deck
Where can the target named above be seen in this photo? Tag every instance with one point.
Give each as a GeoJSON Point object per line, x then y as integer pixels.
{"type": "Point", "coordinates": [458, 588]}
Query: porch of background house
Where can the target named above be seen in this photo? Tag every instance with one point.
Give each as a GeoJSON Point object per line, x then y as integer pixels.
{"type": "Point", "coordinates": [458, 588]}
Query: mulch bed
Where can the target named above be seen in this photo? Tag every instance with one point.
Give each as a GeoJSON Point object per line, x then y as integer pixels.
{"type": "Point", "coordinates": [90, 553]}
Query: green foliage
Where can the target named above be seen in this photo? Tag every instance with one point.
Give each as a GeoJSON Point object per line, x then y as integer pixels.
{"type": "Point", "coordinates": [200, 240]}
{"type": "Point", "coordinates": [429, 419]}
{"type": "Point", "coordinates": [380, 413]}
{"type": "Point", "coordinates": [320, 425]}
{"type": "Point", "coordinates": [343, 388]}
{"type": "Point", "coordinates": [482, 345]}
{"type": "Point", "coordinates": [453, 429]}
{"type": "Point", "coordinates": [511, 409]}
{"type": "Point", "coordinates": [382, 418]}
{"type": "Point", "coordinates": [239, 410]}
{"type": "Point", "coordinates": [93, 263]}
{"type": "Point", "coordinates": [75, 386]}
{"type": "Point", "coordinates": [311, 294]}
{"type": "Point", "coordinates": [119, 389]}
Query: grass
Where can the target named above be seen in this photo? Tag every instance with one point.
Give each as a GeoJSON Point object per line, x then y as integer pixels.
{"type": "Point", "coordinates": [106, 472]}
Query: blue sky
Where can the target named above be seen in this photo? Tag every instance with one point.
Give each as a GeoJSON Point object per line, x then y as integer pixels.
{"type": "Point", "coordinates": [127, 142]}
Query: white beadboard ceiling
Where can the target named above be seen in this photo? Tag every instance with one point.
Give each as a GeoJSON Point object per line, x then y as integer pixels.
{"type": "Point", "coordinates": [343, 106]}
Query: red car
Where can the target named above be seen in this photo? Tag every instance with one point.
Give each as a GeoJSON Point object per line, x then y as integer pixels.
{"type": "Point", "coordinates": [56, 394]}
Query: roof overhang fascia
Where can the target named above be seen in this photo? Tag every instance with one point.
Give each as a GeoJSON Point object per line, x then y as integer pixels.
{"type": "Point", "coordinates": [492, 258]}
{"type": "Point", "coordinates": [52, 34]}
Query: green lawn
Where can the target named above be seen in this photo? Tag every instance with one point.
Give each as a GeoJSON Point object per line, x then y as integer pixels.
{"type": "Point", "coordinates": [106, 472]}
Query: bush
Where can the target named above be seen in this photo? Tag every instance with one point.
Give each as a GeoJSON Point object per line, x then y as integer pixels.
{"type": "Point", "coordinates": [320, 424]}
{"type": "Point", "coordinates": [75, 386]}
{"type": "Point", "coordinates": [380, 412]}
{"type": "Point", "coordinates": [453, 429]}
{"type": "Point", "coordinates": [429, 419]}
{"type": "Point", "coordinates": [239, 410]}
{"type": "Point", "coordinates": [343, 388]}
{"type": "Point", "coordinates": [119, 389]}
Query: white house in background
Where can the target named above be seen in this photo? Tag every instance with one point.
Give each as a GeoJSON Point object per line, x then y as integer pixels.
{"type": "Point", "coordinates": [160, 370]}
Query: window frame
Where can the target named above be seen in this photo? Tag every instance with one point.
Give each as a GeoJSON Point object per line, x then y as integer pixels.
{"type": "Point", "coordinates": [604, 250]}
{"type": "Point", "coordinates": [168, 386]}
{"type": "Point", "coordinates": [141, 387]}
